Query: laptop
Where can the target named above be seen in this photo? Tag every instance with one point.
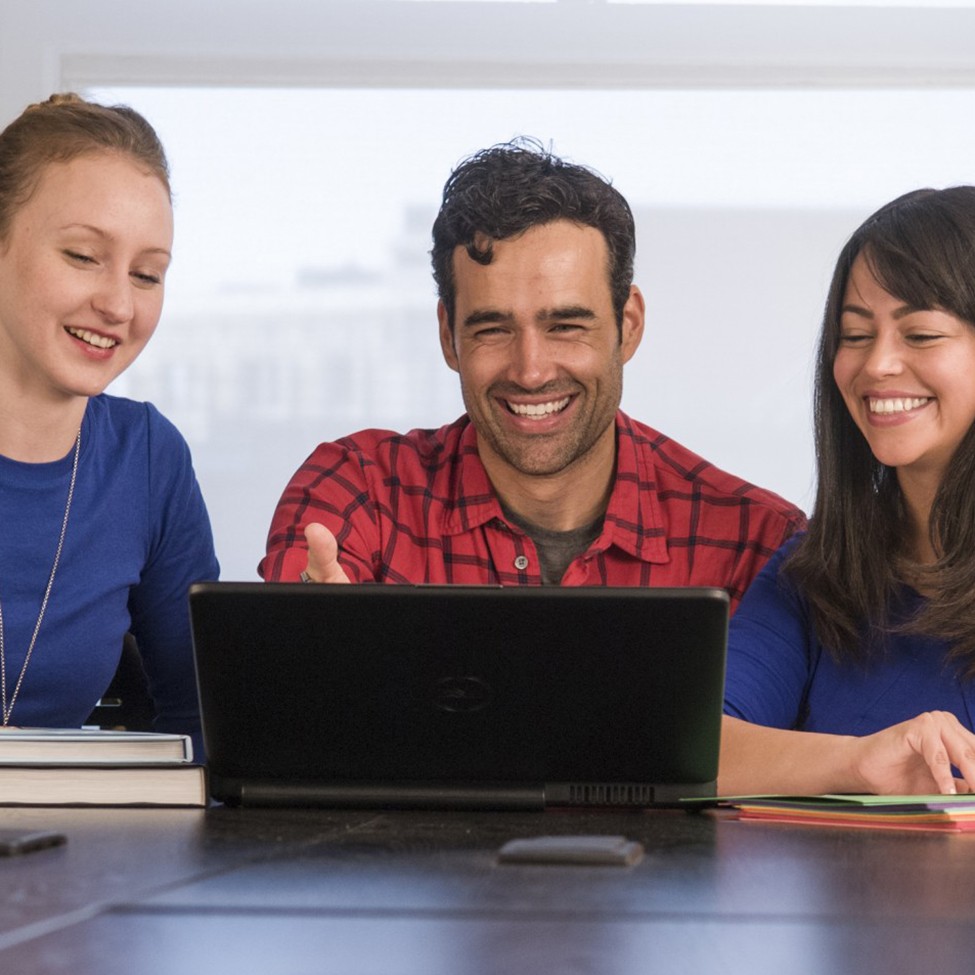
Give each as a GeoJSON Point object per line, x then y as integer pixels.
{"type": "Point", "coordinates": [436, 696]}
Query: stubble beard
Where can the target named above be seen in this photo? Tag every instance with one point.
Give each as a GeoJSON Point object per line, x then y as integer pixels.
{"type": "Point", "coordinates": [544, 455]}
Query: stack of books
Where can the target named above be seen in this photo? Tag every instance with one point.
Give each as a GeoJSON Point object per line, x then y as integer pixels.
{"type": "Point", "coordinates": [55, 767]}
{"type": "Point", "coordinates": [934, 812]}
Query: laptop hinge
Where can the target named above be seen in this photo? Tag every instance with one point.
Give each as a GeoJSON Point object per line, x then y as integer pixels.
{"type": "Point", "coordinates": [378, 795]}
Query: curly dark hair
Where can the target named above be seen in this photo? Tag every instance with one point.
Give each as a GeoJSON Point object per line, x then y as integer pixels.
{"type": "Point", "coordinates": [503, 191]}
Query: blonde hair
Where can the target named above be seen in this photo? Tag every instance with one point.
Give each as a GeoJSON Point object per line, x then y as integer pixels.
{"type": "Point", "coordinates": [62, 128]}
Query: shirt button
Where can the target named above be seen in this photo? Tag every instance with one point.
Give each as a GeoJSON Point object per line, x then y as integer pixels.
{"type": "Point", "coordinates": [521, 562]}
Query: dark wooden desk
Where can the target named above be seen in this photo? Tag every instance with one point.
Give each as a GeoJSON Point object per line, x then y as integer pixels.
{"type": "Point", "coordinates": [161, 892]}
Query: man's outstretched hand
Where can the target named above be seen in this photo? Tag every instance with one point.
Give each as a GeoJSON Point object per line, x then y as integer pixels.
{"type": "Point", "coordinates": [323, 555]}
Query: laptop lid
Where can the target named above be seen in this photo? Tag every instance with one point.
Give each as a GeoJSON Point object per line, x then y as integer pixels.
{"type": "Point", "coordinates": [459, 696]}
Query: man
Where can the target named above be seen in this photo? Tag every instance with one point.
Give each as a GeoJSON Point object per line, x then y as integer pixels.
{"type": "Point", "coordinates": [544, 479]}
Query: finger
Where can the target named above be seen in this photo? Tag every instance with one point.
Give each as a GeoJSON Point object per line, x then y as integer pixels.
{"type": "Point", "coordinates": [323, 551]}
{"type": "Point", "coordinates": [960, 743]}
{"type": "Point", "coordinates": [933, 748]}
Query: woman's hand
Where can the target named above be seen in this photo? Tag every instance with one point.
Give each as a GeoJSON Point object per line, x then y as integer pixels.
{"type": "Point", "coordinates": [916, 757]}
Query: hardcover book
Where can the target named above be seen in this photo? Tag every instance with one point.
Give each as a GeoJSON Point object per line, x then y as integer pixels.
{"type": "Point", "coordinates": [64, 767]}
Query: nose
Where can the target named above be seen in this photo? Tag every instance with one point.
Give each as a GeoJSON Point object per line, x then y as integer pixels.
{"type": "Point", "coordinates": [113, 299]}
{"type": "Point", "coordinates": [885, 356]}
{"type": "Point", "coordinates": [531, 364]}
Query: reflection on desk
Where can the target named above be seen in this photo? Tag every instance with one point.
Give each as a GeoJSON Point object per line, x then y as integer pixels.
{"type": "Point", "coordinates": [165, 891]}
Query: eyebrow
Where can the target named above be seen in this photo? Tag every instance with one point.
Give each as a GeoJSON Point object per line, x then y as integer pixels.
{"type": "Point", "coordinates": [899, 313]}
{"type": "Point", "coordinates": [105, 235]}
{"type": "Point", "coordinates": [565, 313]}
{"type": "Point", "coordinates": [491, 316]}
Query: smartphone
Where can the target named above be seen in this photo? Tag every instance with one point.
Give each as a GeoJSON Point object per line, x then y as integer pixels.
{"type": "Point", "coordinates": [16, 841]}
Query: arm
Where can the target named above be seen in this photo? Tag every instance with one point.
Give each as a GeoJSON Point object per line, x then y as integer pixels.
{"type": "Point", "coordinates": [325, 510]}
{"type": "Point", "coordinates": [777, 672]}
{"type": "Point", "coordinates": [179, 552]}
{"type": "Point", "coordinates": [911, 758]}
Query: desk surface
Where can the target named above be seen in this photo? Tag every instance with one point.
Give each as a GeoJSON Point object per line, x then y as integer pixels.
{"type": "Point", "coordinates": [161, 892]}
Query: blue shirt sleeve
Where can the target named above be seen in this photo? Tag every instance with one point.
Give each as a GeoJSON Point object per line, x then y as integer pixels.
{"type": "Point", "coordinates": [180, 553]}
{"type": "Point", "coordinates": [771, 650]}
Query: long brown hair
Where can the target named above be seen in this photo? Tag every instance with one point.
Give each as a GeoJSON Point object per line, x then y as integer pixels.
{"type": "Point", "coordinates": [61, 129]}
{"type": "Point", "coordinates": [854, 559]}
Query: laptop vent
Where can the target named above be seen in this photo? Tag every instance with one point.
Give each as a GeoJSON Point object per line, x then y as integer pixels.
{"type": "Point", "coordinates": [610, 794]}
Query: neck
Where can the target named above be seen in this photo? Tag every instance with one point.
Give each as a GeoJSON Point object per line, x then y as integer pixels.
{"type": "Point", "coordinates": [569, 499]}
{"type": "Point", "coordinates": [919, 494]}
{"type": "Point", "coordinates": [38, 436]}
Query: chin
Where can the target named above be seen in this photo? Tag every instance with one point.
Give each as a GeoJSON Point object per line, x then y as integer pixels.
{"type": "Point", "coordinates": [88, 390]}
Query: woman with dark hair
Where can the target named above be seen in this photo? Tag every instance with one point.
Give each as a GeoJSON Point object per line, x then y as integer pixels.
{"type": "Point", "coordinates": [102, 525]}
{"type": "Point", "coordinates": [852, 657]}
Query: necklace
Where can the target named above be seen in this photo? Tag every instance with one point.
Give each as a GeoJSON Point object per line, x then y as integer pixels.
{"type": "Point", "coordinates": [8, 708]}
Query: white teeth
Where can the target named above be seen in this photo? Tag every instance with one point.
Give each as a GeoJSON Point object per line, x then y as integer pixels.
{"type": "Point", "coordinates": [897, 405]}
{"type": "Point", "coordinates": [99, 341]}
{"type": "Point", "coordinates": [538, 410]}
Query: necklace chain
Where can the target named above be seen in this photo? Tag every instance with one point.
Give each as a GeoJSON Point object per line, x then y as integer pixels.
{"type": "Point", "coordinates": [8, 708]}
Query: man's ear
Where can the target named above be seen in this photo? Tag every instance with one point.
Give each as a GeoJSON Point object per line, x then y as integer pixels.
{"type": "Point", "coordinates": [634, 312]}
{"type": "Point", "coordinates": [447, 337]}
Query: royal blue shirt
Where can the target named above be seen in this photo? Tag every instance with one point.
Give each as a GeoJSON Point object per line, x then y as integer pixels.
{"type": "Point", "coordinates": [137, 536]}
{"type": "Point", "coordinates": [780, 676]}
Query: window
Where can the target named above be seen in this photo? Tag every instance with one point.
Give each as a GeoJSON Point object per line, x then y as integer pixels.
{"type": "Point", "coordinates": [301, 307]}
{"type": "Point", "coordinates": [750, 139]}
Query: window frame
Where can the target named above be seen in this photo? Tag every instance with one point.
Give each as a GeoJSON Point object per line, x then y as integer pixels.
{"type": "Point", "coordinates": [48, 45]}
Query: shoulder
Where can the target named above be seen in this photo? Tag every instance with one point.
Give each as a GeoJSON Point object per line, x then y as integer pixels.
{"type": "Point", "coordinates": [774, 581]}
{"type": "Point", "coordinates": [393, 452]}
{"type": "Point", "coordinates": [138, 440]}
{"type": "Point", "coordinates": [772, 649]}
{"type": "Point", "coordinates": [127, 418]}
{"type": "Point", "coordinates": [116, 413]}
{"type": "Point", "coordinates": [678, 469]}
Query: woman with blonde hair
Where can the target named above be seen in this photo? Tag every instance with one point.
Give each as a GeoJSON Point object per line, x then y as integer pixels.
{"type": "Point", "coordinates": [103, 523]}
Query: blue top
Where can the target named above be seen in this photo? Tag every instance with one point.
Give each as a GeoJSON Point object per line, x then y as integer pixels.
{"type": "Point", "coordinates": [780, 676]}
{"type": "Point", "coordinates": [137, 536]}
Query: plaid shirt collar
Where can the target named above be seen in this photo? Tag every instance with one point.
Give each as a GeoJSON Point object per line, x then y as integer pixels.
{"type": "Point", "coordinates": [634, 519]}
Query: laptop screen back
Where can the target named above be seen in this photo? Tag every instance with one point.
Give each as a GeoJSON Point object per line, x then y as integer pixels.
{"type": "Point", "coordinates": [446, 688]}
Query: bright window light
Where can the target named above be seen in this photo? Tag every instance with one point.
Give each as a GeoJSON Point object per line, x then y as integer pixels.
{"type": "Point", "coordinates": [300, 304]}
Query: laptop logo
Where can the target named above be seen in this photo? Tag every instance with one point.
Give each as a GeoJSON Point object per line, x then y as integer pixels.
{"type": "Point", "coordinates": [461, 694]}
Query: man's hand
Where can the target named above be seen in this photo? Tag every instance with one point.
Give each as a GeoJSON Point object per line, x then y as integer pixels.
{"type": "Point", "coordinates": [323, 555]}
{"type": "Point", "coordinates": [915, 757]}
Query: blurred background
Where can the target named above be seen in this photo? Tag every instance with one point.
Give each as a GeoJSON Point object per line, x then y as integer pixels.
{"type": "Point", "coordinates": [309, 142]}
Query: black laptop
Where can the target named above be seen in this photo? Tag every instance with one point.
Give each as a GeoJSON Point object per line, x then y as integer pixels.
{"type": "Point", "coordinates": [459, 696]}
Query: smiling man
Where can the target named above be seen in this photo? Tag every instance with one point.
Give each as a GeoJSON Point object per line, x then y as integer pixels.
{"type": "Point", "coordinates": [544, 479]}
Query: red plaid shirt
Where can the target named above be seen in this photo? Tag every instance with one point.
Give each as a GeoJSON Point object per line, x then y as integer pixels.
{"type": "Point", "coordinates": [418, 507]}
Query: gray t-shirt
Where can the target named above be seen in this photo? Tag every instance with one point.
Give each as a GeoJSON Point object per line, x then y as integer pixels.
{"type": "Point", "coordinates": [556, 549]}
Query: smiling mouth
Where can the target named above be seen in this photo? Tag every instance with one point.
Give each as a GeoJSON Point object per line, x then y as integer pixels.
{"type": "Point", "coordinates": [538, 411]}
{"type": "Point", "coordinates": [91, 338]}
{"type": "Point", "coordinates": [897, 404]}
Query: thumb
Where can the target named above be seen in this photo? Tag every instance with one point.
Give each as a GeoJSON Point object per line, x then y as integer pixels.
{"type": "Point", "coordinates": [323, 555]}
